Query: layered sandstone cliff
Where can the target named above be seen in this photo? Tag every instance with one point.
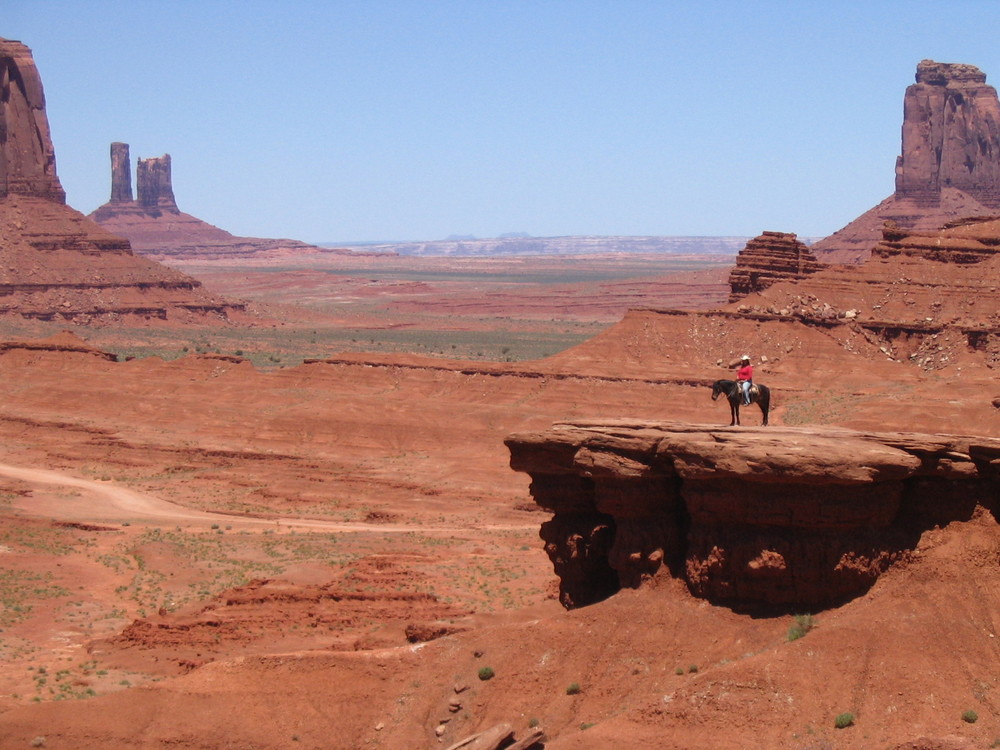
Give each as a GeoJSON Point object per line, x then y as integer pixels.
{"type": "Point", "coordinates": [56, 264]}
{"type": "Point", "coordinates": [769, 258]}
{"type": "Point", "coordinates": [949, 166]}
{"type": "Point", "coordinates": [931, 298]}
{"type": "Point", "coordinates": [756, 518]}
{"type": "Point", "coordinates": [157, 228]}
{"type": "Point", "coordinates": [27, 159]}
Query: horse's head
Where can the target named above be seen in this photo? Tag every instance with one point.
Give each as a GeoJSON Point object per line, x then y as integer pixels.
{"type": "Point", "coordinates": [716, 389]}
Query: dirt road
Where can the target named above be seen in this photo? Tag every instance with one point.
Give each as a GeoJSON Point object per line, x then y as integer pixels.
{"type": "Point", "coordinates": [93, 501]}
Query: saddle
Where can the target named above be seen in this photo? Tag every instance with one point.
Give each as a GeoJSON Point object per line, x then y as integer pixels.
{"type": "Point", "coordinates": [754, 391]}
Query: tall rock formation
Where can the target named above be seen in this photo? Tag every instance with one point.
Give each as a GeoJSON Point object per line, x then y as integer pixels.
{"type": "Point", "coordinates": [55, 264]}
{"type": "Point", "coordinates": [951, 136]}
{"type": "Point", "coordinates": [949, 167]}
{"type": "Point", "coordinates": [154, 185]}
{"type": "Point", "coordinates": [156, 227]}
{"type": "Point", "coordinates": [121, 173]}
{"type": "Point", "coordinates": [27, 159]}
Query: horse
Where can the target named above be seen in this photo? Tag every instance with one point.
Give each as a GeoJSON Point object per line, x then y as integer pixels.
{"type": "Point", "coordinates": [735, 395]}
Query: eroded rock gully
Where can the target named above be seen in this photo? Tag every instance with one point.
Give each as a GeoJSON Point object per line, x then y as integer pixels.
{"type": "Point", "coordinates": [754, 518]}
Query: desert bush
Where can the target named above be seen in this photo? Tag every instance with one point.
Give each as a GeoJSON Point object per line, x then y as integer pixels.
{"type": "Point", "coordinates": [803, 624]}
{"type": "Point", "coordinates": [573, 689]}
{"type": "Point", "coordinates": [693, 668]}
{"type": "Point", "coordinates": [486, 673]}
{"type": "Point", "coordinates": [843, 720]}
{"type": "Point", "coordinates": [970, 716]}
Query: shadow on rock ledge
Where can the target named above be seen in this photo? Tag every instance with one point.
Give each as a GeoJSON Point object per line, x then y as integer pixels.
{"type": "Point", "coordinates": [757, 519]}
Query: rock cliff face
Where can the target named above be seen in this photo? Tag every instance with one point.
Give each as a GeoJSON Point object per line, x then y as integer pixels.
{"type": "Point", "coordinates": [755, 518]}
{"type": "Point", "coordinates": [27, 160]}
{"type": "Point", "coordinates": [949, 166]}
{"type": "Point", "coordinates": [154, 184]}
{"type": "Point", "coordinates": [55, 264]}
{"type": "Point", "coordinates": [951, 135]}
{"type": "Point", "coordinates": [768, 258]}
{"type": "Point", "coordinates": [927, 297]}
{"type": "Point", "coordinates": [157, 228]}
{"type": "Point", "coordinates": [121, 174]}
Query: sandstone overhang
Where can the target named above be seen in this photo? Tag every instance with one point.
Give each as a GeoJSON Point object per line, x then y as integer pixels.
{"type": "Point", "coordinates": [759, 519]}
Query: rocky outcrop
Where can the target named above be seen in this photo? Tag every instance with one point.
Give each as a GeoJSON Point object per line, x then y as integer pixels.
{"type": "Point", "coordinates": [27, 159]}
{"type": "Point", "coordinates": [768, 258]}
{"type": "Point", "coordinates": [154, 185]}
{"type": "Point", "coordinates": [928, 297]}
{"type": "Point", "coordinates": [949, 166]}
{"type": "Point", "coordinates": [121, 173]}
{"type": "Point", "coordinates": [156, 227]}
{"type": "Point", "coordinates": [951, 135]}
{"type": "Point", "coordinates": [55, 264]}
{"type": "Point", "coordinates": [759, 519]}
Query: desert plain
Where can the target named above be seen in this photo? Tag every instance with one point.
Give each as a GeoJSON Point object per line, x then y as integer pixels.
{"type": "Point", "coordinates": [204, 552]}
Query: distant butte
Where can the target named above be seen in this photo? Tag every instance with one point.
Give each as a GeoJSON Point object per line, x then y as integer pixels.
{"type": "Point", "coordinates": [156, 227]}
{"type": "Point", "coordinates": [55, 264]}
{"type": "Point", "coordinates": [949, 167]}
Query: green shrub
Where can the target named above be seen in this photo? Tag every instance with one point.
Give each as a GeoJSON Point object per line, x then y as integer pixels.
{"type": "Point", "coordinates": [573, 689]}
{"type": "Point", "coordinates": [843, 720]}
{"type": "Point", "coordinates": [486, 673]}
{"type": "Point", "coordinates": [693, 668]}
{"type": "Point", "coordinates": [803, 624]}
{"type": "Point", "coordinates": [970, 716]}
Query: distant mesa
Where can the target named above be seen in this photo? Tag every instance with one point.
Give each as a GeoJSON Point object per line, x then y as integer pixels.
{"type": "Point", "coordinates": [517, 245]}
{"type": "Point", "coordinates": [56, 264]}
{"type": "Point", "coordinates": [156, 227]}
{"type": "Point", "coordinates": [949, 166]}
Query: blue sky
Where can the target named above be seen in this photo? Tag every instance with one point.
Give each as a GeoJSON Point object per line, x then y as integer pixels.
{"type": "Point", "coordinates": [418, 119]}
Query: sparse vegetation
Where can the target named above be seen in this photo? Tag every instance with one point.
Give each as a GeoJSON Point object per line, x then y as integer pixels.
{"type": "Point", "coordinates": [573, 689]}
{"type": "Point", "coordinates": [486, 673]}
{"type": "Point", "coordinates": [970, 716]}
{"type": "Point", "coordinates": [803, 624]}
{"type": "Point", "coordinates": [693, 668]}
{"type": "Point", "coordinates": [843, 720]}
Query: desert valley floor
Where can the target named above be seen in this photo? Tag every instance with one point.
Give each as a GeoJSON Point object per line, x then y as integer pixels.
{"type": "Point", "coordinates": [262, 539]}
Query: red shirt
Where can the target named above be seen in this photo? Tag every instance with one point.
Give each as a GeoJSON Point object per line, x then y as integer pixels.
{"type": "Point", "coordinates": [745, 373]}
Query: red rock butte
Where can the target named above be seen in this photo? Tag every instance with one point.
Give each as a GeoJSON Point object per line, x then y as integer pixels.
{"type": "Point", "coordinates": [56, 263]}
{"type": "Point", "coordinates": [156, 227]}
{"type": "Point", "coordinates": [949, 166]}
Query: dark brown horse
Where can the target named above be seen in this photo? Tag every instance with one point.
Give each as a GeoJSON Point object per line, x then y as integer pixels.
{"type": "Point", "coordinates": [732, 391]}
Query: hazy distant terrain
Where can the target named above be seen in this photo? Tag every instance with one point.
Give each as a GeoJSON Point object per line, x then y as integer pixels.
{"type": "Point", "coordinates": [574, 245]}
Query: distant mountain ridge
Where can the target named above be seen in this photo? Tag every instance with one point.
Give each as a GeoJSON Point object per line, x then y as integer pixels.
{"type": "Point", "coordinates": [572, 245]}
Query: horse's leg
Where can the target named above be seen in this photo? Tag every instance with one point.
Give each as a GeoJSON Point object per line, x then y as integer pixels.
{"type": "Point", "coordinates": [736, 411]}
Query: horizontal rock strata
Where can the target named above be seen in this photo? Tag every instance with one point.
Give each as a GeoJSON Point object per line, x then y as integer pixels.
{"type": "Point", "coordinates": [768, 258]}
{"type": "Point", "coordinates": [786, 518]}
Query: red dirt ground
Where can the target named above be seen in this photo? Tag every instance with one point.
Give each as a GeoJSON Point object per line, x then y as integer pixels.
{"type": "Point", "coordinates": [199, 554]}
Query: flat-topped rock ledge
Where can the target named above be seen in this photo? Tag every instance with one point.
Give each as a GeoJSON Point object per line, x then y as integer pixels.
{"type": "Point", "coordinates": [754, 518]}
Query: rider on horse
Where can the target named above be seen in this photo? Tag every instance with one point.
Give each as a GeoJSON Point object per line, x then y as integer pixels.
{"type": "Point", "coordinates": [744, 377]}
